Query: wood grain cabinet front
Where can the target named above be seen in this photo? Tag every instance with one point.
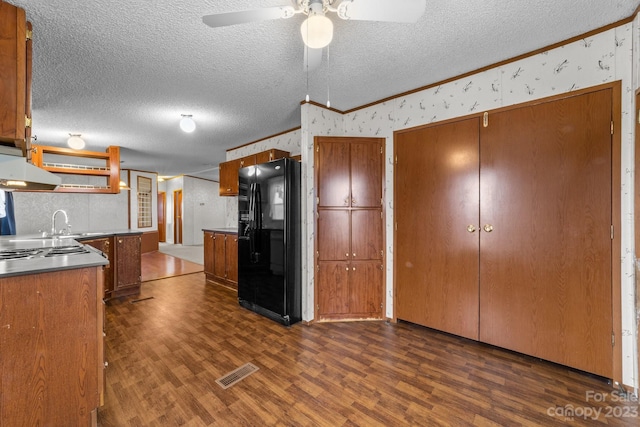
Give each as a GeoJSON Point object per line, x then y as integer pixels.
{"type": "Point", "coordinates": [105, 245]}
{"type": "Point", "coordinates": [52, 348]}
{"type": "Point", "coordinates": [349, 243]}
{"type": "Point", "coordinates": [221, 258]}
{"type": "Point", "coordinates": [15, 66]}
{"type": "Point", "coordinates": [128, 265]}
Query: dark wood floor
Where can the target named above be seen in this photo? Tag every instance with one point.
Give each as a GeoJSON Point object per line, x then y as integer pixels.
{"type": "Point", "coordinates": [166, 352]}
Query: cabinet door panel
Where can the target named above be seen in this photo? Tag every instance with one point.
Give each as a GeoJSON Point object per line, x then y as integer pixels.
{"type": "Point", "coordinates": [365, 289]}
{"type": "Point", "coordinates": [209, 253]}
{"type": "Point", "coordinates": [366, 174]}
{"type": "Point", "coordinates": [128, 256]}
{"type": "Point", "coordinates": [546, 267]}
{"type": "Point", "coordinates": [229, 177]}
{"type": "Point", "coordinates": [219, 268]}
{"type": "Point", "coordinates": [436, 199]}
{"type": "Point", "coordinates": [232, 257]}
{"type": "Point", "coordinates": [333, 287]}
{"type": "Point", "coordinates": [366, 234]}
{"type": "Point", "coordinates": [333, 235]}
{"type": "Point", "coordinates": [332, 165]}
{"type": "Point", "coordinates": [13, 63]}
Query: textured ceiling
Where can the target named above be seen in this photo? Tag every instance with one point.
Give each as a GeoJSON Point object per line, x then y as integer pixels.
{"type": "Point", "coordinates": [122, 73]}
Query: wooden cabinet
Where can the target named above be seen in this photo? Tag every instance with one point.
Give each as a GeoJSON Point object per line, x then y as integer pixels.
{"type": "Point", "coordinates": [229, 169]}
{"type": "Point", "coordinates": [349, 172]}
{"type": "Point", "coordinates": [15, 68]}
{"type": "Point", "coordinates": [123, 275]}
{"type": "Point", "coordinates": [99, 171]}
{"type": "Point", "coordinates": [13, 37]}
{"type": "Point", "coordinates": [229, 177]}
{"type": "Point", "coordinates": [128, 265]}
{"type": "Point", "coordinates": [105, 245]}
{"type": "Point", "coordinates": [52, 348]}
{"type": "Point", "coordinates": [349, 243]}
{"type": "Point", "coordinates": [221, 257]}
{"type": "Point", "coordinates": [231, 257]}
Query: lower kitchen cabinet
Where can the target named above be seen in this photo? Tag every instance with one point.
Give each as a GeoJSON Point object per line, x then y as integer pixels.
{"type": "Point", "coordinates": [349, 289]}
{"type": "Point", "coordinates": [128, 265]}
{"type": "Point", "coordinates": [122, 277]}
{"type": "Point", "coordinates": [52, 347]}
{"type": "Point", "coordinates": [105, 245]}
{"type": "Point", "coordinates": [221, 257]}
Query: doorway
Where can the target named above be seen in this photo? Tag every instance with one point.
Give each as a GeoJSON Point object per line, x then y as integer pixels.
{"type": "Point", "coordinates": [177, 217]}
{"type": "Point", "coordinates": [162, 211]}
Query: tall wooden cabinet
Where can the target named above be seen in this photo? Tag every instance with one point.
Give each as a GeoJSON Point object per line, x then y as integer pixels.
{"type": "Point", "coordinates": [349, 242]}
{"type": "Point", "coordinates": [505, 229]}
{"type": "Point", "coordinates": [15, 74]}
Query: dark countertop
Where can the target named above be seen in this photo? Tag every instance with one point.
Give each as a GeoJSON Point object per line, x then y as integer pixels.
{"type": "Point", "coordinates": [222, 230]}
{"type": "Point", "coordinates": [42, 264]}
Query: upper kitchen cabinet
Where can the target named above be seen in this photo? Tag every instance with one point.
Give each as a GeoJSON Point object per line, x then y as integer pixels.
{"type": "Point", "coordinates": [229, 170]}
{"type": "Point", "coordinates": [15, 72]}
{"type": "Point", "coordinates": [350, 170]}
{"type": "Point", "coordinates": [229, 177]}
{"type": "Point", "coordinates": [84, 171]}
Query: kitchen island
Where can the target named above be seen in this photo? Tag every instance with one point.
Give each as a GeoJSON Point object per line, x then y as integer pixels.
{"type": "Point", "coordinates": [51, 332]}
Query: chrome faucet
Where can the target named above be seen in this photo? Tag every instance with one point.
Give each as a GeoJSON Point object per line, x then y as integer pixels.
{"type": "Point", "coordinates": [66, 223]}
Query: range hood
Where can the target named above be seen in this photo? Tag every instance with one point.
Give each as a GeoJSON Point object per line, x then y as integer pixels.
{"type": "Point", "coordinates": [17, 174]}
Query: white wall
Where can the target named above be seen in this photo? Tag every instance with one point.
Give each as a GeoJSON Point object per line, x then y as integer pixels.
{"type": "Point", "coordinates": [202, 207]}
{"type": "Point", "coordinates": [87, 212]}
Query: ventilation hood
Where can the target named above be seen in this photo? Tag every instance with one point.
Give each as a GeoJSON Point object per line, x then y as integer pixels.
{"type": "Point", "coordinates": [17, 174]}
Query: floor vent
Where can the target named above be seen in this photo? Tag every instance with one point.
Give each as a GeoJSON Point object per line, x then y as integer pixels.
{"type": "Point", "coordinates": [140, 300]}
{"type": "Point", "coordinates": [236, 376]}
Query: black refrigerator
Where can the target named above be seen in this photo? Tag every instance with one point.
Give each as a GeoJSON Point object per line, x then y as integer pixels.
{"type": "Point", "coordinates": [269, 242]}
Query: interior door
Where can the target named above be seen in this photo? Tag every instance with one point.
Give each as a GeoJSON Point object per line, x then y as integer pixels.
{"type": "Point", "coordinates": [177, 217]}
{"type": "Point", "coordinates": [437, 241]}
{"type": "Point", "coordinates": [162, 211]}
{"type": "Point", "coordinates": [545, 264]}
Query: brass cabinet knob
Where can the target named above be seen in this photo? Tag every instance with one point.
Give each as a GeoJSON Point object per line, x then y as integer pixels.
{"type": "Point", "coordinates": [471, 228]}
{"type": "Point", "coordinates": [488, 228]}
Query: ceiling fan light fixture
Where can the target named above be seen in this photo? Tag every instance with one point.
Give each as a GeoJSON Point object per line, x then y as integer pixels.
{"type": "Point", "coordinates": [75, 141]}
{"type": "Point", "coordinates": [187, 124]}
{"type": "Point", "coordinates": [317, 31]}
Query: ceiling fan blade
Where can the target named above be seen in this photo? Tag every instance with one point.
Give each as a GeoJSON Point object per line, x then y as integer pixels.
{"type": "Point", "coordinates": [312, 58]}
{"type": "Point", "coordinates": [243, 17]}
{"type": "Point", "coordinates": [408, 11]}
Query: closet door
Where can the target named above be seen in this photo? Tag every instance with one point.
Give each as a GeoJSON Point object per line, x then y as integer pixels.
{"type": "Point", "coordinates": [545, 264]}
{"type": "Point", "coordinates": [437, 237]}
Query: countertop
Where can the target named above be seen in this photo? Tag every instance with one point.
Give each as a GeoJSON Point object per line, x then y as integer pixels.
{"type": "Point", "coordinates": [222, 230]}
{"type": "Point", "coordinates": [41, 264]}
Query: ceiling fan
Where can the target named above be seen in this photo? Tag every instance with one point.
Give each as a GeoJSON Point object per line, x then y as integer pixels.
{"type": "Point", "coordinates": [317, 28]}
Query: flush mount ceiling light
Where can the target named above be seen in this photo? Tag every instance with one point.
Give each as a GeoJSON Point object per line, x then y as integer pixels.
{"type": "Point", "coordinates": [317, 29]}
{"type": "Point", "coordinates": [75, 141]}
{"type": "Point", "coordinates": [187, 124]}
